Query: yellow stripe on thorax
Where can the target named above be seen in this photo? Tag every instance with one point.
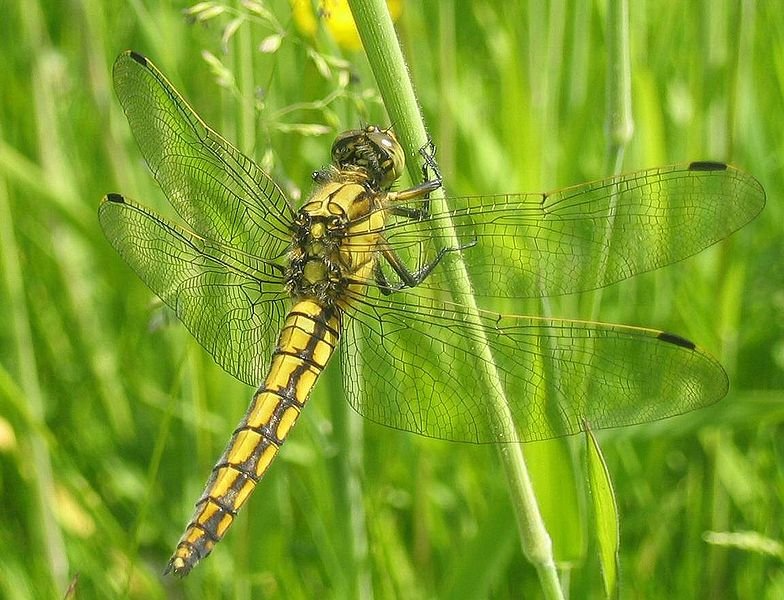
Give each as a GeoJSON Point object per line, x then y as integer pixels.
{"type": "Point", "coordinates": [307, 340]}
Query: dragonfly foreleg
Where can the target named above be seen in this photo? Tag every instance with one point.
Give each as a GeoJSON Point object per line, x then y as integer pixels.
{"type": "Point", "coordinates": [428, 154]}
{"type": "Point", "coordinates": [429, 184]}
{"type": "Point", "coordinates": [420, 191]}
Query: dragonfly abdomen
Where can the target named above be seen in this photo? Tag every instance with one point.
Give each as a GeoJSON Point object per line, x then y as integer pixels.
{"type": "Point", "coordinates": [307, 340]}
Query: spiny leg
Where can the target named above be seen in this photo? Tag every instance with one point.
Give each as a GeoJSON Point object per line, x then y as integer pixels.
{"type": "Point", "coordinates": [423, 190]}
{"type": "Point", "coordinates": [428, 154]}
{"type": "Point", "coordinates": [408, 278]}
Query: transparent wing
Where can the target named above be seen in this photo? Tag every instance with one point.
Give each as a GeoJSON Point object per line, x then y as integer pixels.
{"type": "Point", "coordinates": [415, 364]}
{"type": "Point", "coordinates": [220, 193]}
{"type": "Point", "coordinates": [587, 236]}
{"type": "Point", "coordinates": [233, 304]}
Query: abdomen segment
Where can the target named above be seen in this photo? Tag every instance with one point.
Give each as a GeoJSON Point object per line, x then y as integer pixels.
{"type": "Point", "coordinates": [307, 340]}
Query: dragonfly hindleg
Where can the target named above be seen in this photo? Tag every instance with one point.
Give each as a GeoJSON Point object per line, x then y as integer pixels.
{"type": "Point", "coordinates": [408, 278]}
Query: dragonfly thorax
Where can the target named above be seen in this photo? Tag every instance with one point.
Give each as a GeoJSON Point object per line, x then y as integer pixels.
{"type": "Point", "coordinates": [334, 237]}
{"type": "Point", "coordinates": [315, 263]}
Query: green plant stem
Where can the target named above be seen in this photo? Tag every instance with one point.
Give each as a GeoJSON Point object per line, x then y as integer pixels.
{"type": "Point", "coordinates": [347, 489]}
{"type": "Point", "coordinates": [619, 122]}
{"type": "Point", "coordinates": [619, 127]}
{"type": "Point", "coordinates": [386, 60]}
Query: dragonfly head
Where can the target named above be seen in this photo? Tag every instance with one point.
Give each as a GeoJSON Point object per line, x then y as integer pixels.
{"type": "Point", "coordinates": [373, 150]}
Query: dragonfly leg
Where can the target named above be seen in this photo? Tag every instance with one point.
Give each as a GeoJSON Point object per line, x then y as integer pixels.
{"type": "Point", "coordinates": [419, 191]}
{"type": "Point", "coordinates": [429, 184]}
{"type": "Point", "coordinates": [408, 278]}
{"type": "Point", "coordinates": [428, 154]}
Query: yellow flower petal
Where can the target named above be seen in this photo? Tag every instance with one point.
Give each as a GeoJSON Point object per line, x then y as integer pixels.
{"type": "Point", "coordinates": [335, 17]}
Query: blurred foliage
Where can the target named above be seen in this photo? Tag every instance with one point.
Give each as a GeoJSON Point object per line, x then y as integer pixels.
{"type": "Point", "coordinates": [111, 416]}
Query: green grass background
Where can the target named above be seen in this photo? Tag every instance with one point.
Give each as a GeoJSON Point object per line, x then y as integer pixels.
{"type": "Point", "coordinates": [111, 416]}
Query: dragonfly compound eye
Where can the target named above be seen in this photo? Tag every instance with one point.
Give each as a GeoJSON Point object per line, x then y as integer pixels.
{"type": "Point", "coordinates": [391, 161]}
{"type": "Point", "coordinates": [372, 150]}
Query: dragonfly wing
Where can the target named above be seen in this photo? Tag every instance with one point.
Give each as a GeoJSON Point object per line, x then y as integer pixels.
{"type": "Point", "coordinates": [413, 363]}
{"type": "Point", "coordinates": [587, 236]}
{"type": "Point", "coordinates": [219, 192]}
{"type": "Point", "coordinates": [233, 304]}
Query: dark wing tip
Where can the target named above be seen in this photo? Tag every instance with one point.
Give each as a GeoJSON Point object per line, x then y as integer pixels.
{"type": "Point", "coordinates": [754, 193]}
{"type": "Point", "coordinates": [677, 340]}
{"type": "Point", "coordinates": [116, 198]}
{"type": "Point", "coordinates": [137, 57]}
{"type": "Point", "coordinates": [707, 165]}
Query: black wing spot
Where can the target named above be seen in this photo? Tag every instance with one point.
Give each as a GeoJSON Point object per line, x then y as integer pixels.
{"type": "Point", "coordinates": [677, 340]}
{"type": "Point", "coordinates": [707, 165]}
{"type": "Point", "coordinates": [116, 198]}
{"type": "Point", "coordinates": [138, 58]}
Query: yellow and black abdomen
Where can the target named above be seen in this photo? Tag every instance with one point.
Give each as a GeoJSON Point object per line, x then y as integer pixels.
{"type": "Point", "coordinates": [307, 340]}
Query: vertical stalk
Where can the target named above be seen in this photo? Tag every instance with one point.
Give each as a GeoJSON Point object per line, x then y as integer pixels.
{"type": "Point", "coordinates": [244, 52]}
{"type": "Point", "coordinates": [347, 464]}
{"type": "Point", "coordinates": [386, 59]}
{"type": "Point", "coordinates": [619, 127]}
{"type": "Point", "coordinates": [619, 123]}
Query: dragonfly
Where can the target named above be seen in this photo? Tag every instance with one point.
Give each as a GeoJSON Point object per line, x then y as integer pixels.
{"type": "Point", "coordinates": [365, 270]}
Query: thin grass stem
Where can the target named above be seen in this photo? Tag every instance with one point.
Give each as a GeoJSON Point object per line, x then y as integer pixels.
{"type": "Point", "coordinates": [386, 59]}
